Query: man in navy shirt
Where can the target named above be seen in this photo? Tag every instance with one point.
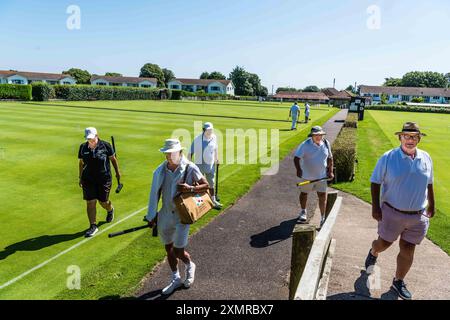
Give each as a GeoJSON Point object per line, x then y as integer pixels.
{"type": "Point", "coordinates": [95, 176]}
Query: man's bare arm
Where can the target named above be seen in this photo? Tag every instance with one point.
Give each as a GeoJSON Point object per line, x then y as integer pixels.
{"type": "Point", "coordinates": [376, 209]}
{"type": "Point", "coordinates": [431, 208]}
{"type": "Point", "coordinates": [115, 164]}
{"type": "Point", "coordinates": [298, 167]}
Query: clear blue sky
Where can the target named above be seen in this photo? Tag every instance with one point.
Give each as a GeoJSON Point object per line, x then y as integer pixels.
{"type": "Point", "coordinates": [288, 43]}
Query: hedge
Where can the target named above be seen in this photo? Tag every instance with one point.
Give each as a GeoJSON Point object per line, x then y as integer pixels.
{"type": "Point", "coordinates": [402, 108]}
{"type": "Point", "coordinates": [352, 120]}
{"type": "Point", "coordinates": [344, 154]}
{"type": "Point", "coordinates": [42, 91]}
{"type": "Point", "coordinates": [15, 91]}
{"type": "Point", "coordinates": [201, 95]}
{"type": "Point", "coordinates": [89, 92]}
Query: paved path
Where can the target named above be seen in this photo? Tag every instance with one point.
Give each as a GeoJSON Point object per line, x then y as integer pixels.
{"type": "Point", "coordinates": [429, 277]}
{"type": "Point", "coordinates": [245, 252]}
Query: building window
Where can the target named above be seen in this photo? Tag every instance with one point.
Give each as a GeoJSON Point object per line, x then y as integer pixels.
{"type": "Point", "coordinates": [215, 88]}
{"type": "Point", "coordinates": [67, 82]}
{"type": "Point", "coordinates": [52, 82]}
{"type": "Point", "coordinates": [115, 84]}
{"type": "Point", "coordinates": [101, 83]}
{"type": "Point", "coordinates": [146, 86]}
{"type": "Point", "coordinates": [395, 96]}
{"type": "Point", "coordinates": [405, 98]}
{"type": "Point", "coordinates": [175, 86]}
{"type": "Point", "coordinates": [376, 95]}
{"type": "Point", "coordinates": [17, 81]}
{"type": "Point", "coordinates": [436, 98]}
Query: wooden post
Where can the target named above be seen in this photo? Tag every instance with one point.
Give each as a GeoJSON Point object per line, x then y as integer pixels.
{"type": "Point", "coordinates": [331, 199]}
{"type": "Point", "coordinates": [302, 241]}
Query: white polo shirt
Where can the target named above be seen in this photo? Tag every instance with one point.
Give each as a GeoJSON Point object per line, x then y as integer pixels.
{"type": "Point", "coordinates": [313, 159]}
{"type": "Point", "coordinates": [404, 181]}
{"type": "Point", "coordinates": [204, 151]}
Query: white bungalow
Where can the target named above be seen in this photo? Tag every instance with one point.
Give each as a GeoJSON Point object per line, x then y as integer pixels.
{"type": "Point", "coordinates": [22, 77]}
{"type": "Point", "coordinates": [209, 86]}
{"type": "Point", "coordinates": [124, 81]}
{"type": "Point", "coordinates": [406, 94]}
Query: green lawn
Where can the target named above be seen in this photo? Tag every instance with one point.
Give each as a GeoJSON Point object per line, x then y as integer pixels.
{"type": "Point", "coordinates": [376, 136]}
{"type": "Point", "coordinates": [42, 209]}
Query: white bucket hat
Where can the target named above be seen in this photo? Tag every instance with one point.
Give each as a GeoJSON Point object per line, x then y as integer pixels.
{"type": "Point", "coordinates": [90, 133]}
{"type": "Point", "coordinates": [171, 145]}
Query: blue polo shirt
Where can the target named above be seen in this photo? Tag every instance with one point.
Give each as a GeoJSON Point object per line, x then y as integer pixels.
{"type": "Point", "coordinates": [295, 110]}
{"type": "Point", "coordinates": [404, 181]}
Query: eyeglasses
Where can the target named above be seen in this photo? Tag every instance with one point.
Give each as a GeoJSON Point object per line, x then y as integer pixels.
{"type": "Point", "coordinates": [410, 137]}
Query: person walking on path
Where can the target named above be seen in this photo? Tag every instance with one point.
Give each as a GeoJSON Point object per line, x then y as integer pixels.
{"type": "Point", "coordinates": [405, 177]}
{"type": "Point", "coordinates": [307, 109]}
{"type": "Point", "coordinates": [205, 150]}
{"type": "Point", "coordinates": [95, 176]}
{"type": "Point", "coordinates": [294, 112]}
{"type": "Point", "coordinates": [166, 184]}
{"type": "Point", "coordinates": [314, 160]}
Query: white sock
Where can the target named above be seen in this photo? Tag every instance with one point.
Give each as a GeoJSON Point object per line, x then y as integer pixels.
{"type": "Point", "coordinates": [214, 198]}
{"type": "Point", "coordinates": [176, 274]}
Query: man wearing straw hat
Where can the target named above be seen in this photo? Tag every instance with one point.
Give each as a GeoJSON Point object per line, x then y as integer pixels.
{"type": "Point", "coordinates": [166, 184]}
{"type": "Point", "coordinates": [314, 161]}
{"type": "Point", "coordinates": [404, 176]}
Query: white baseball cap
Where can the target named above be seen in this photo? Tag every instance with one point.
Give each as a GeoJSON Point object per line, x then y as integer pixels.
{"type": "Point", "coordinates": [208, 125]}
{"type": "Point", "coordinates": [90, 133]}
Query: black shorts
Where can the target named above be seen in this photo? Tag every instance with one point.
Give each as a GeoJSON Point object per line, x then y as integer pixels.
{"type": "Point", "coordinates": [96, 190]}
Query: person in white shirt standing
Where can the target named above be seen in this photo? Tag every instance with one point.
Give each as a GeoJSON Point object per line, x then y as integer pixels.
{"type": "Point", "coordinates": [204, 149]}
{"type": "Point", "coordinates": [313, 161]}
{"type": "Point", "coordinates": [294, 112]}
{"type": "Point", "coordinates": [307, 109]}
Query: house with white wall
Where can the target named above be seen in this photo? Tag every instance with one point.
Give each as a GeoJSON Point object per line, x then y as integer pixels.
{"type": "Point", "coordinates": [124, 81]}
{"type": "Point", "coordinates": [25, 77]}
{"type": "Point", "coordinates": [406, 94]}
{"type": "Point", "coordinates": [207, 85]}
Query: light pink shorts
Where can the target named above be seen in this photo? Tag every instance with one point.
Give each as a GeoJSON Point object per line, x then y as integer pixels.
{"type": "Point", "coordinates": [412, 228]}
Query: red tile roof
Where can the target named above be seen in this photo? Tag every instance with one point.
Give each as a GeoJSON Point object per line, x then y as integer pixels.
{"type": "Point", "coordinates": [302, 95]}
{"type": "Point", "coordinates": [124, 79]}
{"type": "Point", "coordinates": [334, 94]}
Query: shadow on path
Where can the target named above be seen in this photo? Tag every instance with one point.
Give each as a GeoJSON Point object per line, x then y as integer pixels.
{"type": "Point", "coordinates": [273, 235]}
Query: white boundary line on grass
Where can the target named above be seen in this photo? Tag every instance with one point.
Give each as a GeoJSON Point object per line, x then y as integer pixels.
{"type": "Point", "coordinates": [67, 250]}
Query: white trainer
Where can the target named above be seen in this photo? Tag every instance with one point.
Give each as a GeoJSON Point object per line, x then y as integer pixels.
{"type": "Point", "coordinates": [217, 205]}
{"type": "Point", "coordinates": [190, 275]}
{"type": "Point", "coordinates": [303, 216]}
{"type": "Point", "coordinates": [175, 284]}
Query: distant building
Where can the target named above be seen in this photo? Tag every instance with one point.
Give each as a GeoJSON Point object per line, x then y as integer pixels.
{"type": "Point", "coordinates": [209, 86]}
{"type": "Point", "coordinates": [25, 77]}
{"type": "Point", "coordinates": [337, 98]}
{"type": "Point", "coordinates": [405, 94]}
{"type": "Point", "coordinates": [318, 97]}
{"type": "Point", "coordinates": [124, 81]}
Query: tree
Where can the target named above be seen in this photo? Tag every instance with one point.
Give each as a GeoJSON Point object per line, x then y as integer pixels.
{"type": "Point", "coordinates": [287, 89]}
{"type": "Point", "coordinates": [447, 76]}
{"type": "Point", "coordinates": [427, 79]}
{"type": "Point", "coordinates": [255, 81]}
{"type": "Point", "coordinates": [216, 75]}
{"type": "Point", "coordinates": [311, 89]}
{"type": "Point", "coordinates": [150, 70]}
{"type": "Point", "coordinates": [239, 77]}
{"type": "Point", "coordinates": [247, 89]}
{"type": "Point", "coordinates": [351, 89]}
{"type": "Point", "coordinates": [113, 74]}
{"type": "Point", "coordinates": [204, 75]}
{"type": "Point", "coordinates": [168, 76]}
{"type": "Point", "coordinates": [392, 82]}
{"type": "Point", "coordinates": [81, 76]}
{"type": "Point", "coordinates": [264, 92]}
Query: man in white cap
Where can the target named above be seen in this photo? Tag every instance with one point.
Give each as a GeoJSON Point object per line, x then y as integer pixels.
{"type": "Point", "coordinates": [204, 149]}
{"type": "Point", "coordinates": [166, 184]}
{"type": "Point", "coordinates": [313, 161]}
{"type": "Point", "coordinates": [294, 112]}
{"type": "Point", "coordinates": [95, 176]}
{"type": "Point", "coordinates": [402, 202]}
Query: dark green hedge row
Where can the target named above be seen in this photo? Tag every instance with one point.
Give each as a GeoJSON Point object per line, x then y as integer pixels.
{"type": "Point", "coordinates": [42, 91]}
{"type": "Point", "coordinates": [394, 107]}
{"type": "Point", "coordinates": [88, 92]}
{"type": "Point", "coordinates": [15, 91]}
{"type": "Point", "coordinates": [179, 94]}
{"type": "Point", "coordinates": [352, 120]}
{"type": "Point", "coordinates": [344, 154]}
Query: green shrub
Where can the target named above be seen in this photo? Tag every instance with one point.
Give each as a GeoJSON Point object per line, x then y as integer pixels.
{"type": "Point", "coordinates": [15, 91]}
{"type": "Point", "coordinates": [352, 120]}
{"type": "Point", "coordinates": [89, 92]}
{"type": "Point", "coordinates": [176, 94]}
{"type": "Point", "coordinates": [393, 107]}
{"type": "Point", "coordinates": [344, 154]}
{"type": "Point", "coordinates": [42, 91]}
{"type": "Point", "coordinates": [417, 100]}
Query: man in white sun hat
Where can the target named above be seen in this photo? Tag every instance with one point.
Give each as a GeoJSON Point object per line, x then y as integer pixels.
{"type": "Point", "coordinates": [204, 149]}
{"type": "Point", "coordinates": [166, 184]}
{"type": "Point", "coordinates": [314, 160]}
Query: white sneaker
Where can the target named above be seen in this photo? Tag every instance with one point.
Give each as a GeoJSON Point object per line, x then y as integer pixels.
{"type": "Point", "coordinates": [303, 216]}
{"type": "Point", "coordinates": [190, 275]}
{"type": "Point", "coordinates": [217, 205]}
{"type": "Point", "coordinates": [175, 284]}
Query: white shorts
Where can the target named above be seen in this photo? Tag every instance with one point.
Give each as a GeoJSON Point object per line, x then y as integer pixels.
{"type": "Point", "coordinates": [320, 186]}
{"type": "Point", "coordinates": [171, 230]}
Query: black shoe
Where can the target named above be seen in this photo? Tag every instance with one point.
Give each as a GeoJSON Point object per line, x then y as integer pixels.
{"type": "Point", "coordinates": [110, 216]}
{"type": "Point", "coordinates": [91, 231]}
{"type": "Point", "coordinates": [371, 260]}
{"type": "Point", "coordinates": [400, 287]}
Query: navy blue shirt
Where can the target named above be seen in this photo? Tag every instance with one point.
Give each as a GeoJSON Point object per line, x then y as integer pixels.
{"type": "Point", "coordinates": [96, 162]}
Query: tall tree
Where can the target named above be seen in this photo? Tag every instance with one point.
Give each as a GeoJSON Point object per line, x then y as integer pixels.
{"type": "Point", "coordinates": [393, 82]}
{"type": "Point", "coordinates": [113, 74]}
{"type": "Point", "coordinates": [150, 70]}
{"type": "Point", "coordinates": [168, 76]}
{"type": "Point", "coordinates": [287, 89]}
{"type": "Point", "coordinates": [204, 75]}
{"type": "Point", "coordinates": [81, 76]}
{"type": "Point", "coordinates": [427, 79]}
{"type": "Point", "coordinates": [216, 75]}
{"type": "Point", "coordinates": [311, 89]}
{"type": "Point", "coordinates": [239, 77]}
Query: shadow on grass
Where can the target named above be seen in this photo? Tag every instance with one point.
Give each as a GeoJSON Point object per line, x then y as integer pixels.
{"type": "Point", "coordinates": [362, 291]}
{"type": "Point", "coordinates": [152, 295]}
{"type": "Point", "coordinates": [273, 235]}
{"type": "Point", "coordinates": [41, 242]}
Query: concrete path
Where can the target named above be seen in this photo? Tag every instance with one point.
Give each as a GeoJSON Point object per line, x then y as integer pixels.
{"type": "Point", "coordinates": [429, 277]}
{"type": "Point", "coordinates": [245, 252]}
